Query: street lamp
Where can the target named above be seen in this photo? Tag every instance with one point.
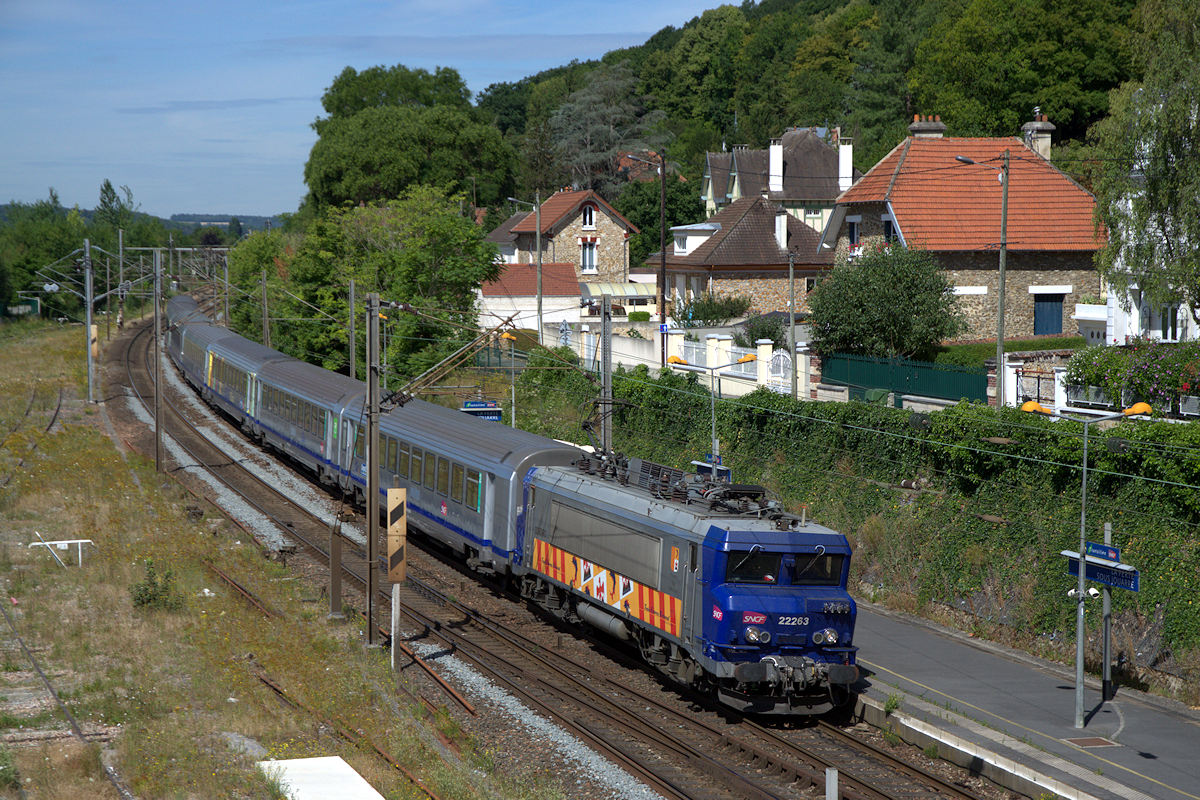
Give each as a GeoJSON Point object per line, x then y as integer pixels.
{"type": "Point", "coordinates": [1035, 407]}
{"type": "Point", "coordinates": [537, 210]}
{"type": "Point", "coordinates": [1003, 170]}
{"type": "Point", "coordinates": [512, 373]}
{"type": "Point", "coordinates": [662, 248]}
{"type": "Point", "coordinates": [676, 361]}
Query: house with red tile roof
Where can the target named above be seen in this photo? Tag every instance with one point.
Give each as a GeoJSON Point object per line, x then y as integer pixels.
{"type": "Point", "coordinates": [743, 249]}
{"type": "Point", "coordinates": [923, 195]}
{"type": "Point", "coordinates": [514, 292]}
{"type": "Point", "coordinates": [578, 227]}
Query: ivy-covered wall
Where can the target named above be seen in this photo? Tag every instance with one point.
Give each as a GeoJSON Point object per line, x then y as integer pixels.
{"type": "Point", "coordinates": [994, 497]}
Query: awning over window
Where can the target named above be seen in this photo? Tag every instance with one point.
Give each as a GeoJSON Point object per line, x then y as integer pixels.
{"type": "Point", "coordinates": [594, 291]}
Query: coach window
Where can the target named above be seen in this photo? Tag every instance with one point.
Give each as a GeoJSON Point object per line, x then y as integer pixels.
{"type": "Point", "coordinates": [360, 444]}
{"type": "Point", "coordinates": [473, 499]}
{"type": "Point", "coordinates": [415, 472]}
{"type": "Point", "coordinates": [391, 454]}
{"type": "Point", "coordinates": [430, 471]}
{"type": "Point", "coordinates": [443, 477]}
{"type": "Point", "coordinates": [456, 483]}
{"type": "Point", "coordinates": [402, 467]}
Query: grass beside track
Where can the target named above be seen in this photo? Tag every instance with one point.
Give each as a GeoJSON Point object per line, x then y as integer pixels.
{"type": "Point", "coordinates": [172, 680]}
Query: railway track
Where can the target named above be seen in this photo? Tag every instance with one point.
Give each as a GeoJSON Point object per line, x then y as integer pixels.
{"type": "Point", "coordinates": [664, 739]}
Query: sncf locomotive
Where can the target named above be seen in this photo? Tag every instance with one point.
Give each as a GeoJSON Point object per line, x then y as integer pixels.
{"type": "Point", "coordinates": [713, 582]}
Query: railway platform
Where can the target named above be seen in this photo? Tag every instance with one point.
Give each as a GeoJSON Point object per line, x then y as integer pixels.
{"type": "Point", "coordinates": [1011, 716]}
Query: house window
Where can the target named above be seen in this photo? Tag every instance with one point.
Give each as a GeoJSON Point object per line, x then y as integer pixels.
{"type": "Point", "coordinates": [1047, 314]}
{"type": "Point", "coordinates": [587, 257]}
{"type": "Point", "coordinates": [589, 217]}
{"type": "Point", "coordinates": [680, 245]}
{"type": "Point", "coordinates": [852, 234]}
{"type": "Point", "coordinates": [889, 231]}
{"type": "Point", "coordinates": [1170, 324]}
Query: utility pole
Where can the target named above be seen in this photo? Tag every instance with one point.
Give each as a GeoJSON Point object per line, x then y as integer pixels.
{"type": "Point", "coordinates": [1106, 685]}
{"type": "Point", "coordinates": [227, 289]}
{"type": "Point", "coordinates": [606, 373]}
{"type": "Point", "coordinates": [662, 255]}
{"type": "Point", "coordinates": [353, 365]}
{"type": "Point", "coordinates": [792, 318]}
{"type": "Point", "coordinates": [107, 298]}
{"type": "Point", "coordinates": [121, 274]}
{"type": "Point", "coordinates": [537, 211]}
{"type": "Point", "coordinates": [87, 280]}
{"type": "Point", "coordinates": [372, 509]}
{"type": "Point", "coordinates": [1000, 280]}
{"type": "Point", "coordinates": [266, 323]}
{"type": "Point", "coordinates": [157, 363]}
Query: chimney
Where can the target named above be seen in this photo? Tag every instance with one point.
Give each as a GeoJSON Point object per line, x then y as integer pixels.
{"type": "Point", "coordinates": [927, 127]}
{"type": "Point", "coordinates": [845, 163]}
{"type": "Point", "coordinates": [775, 166]}
{"type": "Point", "coordinates": [781, 216]}
{"type": "Point", "coordinates": [1037, 134]}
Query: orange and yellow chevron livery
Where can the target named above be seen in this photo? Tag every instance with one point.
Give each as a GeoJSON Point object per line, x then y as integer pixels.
{"type": "Point", "coordinates": [641, 602]}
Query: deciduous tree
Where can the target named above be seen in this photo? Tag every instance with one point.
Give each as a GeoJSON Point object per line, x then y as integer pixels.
{"type": "Point", "coordinates": [1148, 186]}
{"type": "Point", "coordinates": [891, 302]}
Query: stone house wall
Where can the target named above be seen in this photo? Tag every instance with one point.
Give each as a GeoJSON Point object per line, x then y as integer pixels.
{"type": "Point", "coordinates": [565, 246]}
{"type": "Point", "coordinates": [976, 276]}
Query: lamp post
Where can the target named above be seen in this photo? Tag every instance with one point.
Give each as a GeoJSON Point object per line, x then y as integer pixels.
{"type": "Point", "coordinates": [1035, 407]}
{"type": "Point", "coordinates": [537, 212]}
{"type": "Point", "coordinates": [512, 374]}
{"type": "Point", "coordinates": [676, 361]}
{"type": "Point", "coordinates": [662, 249]}
{"type": "Point", "coordinates": [1003, 170]}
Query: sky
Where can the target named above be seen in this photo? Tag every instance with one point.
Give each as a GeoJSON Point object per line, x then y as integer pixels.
{"type": "Point", "coordinates": [206, 107]}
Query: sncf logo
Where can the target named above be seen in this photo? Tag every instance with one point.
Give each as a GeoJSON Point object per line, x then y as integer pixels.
{"type": "Point", "coordinates": [751, 618]}
{"type": "Point", "coordinates": [718, 614]}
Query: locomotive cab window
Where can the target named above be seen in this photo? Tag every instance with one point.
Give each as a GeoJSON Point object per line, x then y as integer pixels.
{"type": "Point", "coordinates": [816, 570]}
{"type": "Point", "coordinates": [752, 566]}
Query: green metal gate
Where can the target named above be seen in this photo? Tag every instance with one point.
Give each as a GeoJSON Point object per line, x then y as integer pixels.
{"type": "Point", "coordinates": [899, 375]}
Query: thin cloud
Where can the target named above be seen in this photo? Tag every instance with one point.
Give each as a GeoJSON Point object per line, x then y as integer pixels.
{"type": "Point", "coordinates": [173, 106]}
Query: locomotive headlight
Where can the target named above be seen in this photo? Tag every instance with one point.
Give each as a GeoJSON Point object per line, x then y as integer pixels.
{"type": "Point", "coordinates": [752, 635]}
{"type": "Point", "coordinates": [826, 636]}
{"type": "Point", "coordinates": [836, 607]}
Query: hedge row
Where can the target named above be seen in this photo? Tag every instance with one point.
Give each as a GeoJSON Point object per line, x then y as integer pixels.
{"type": "Point", "coordinates": [998, 498]}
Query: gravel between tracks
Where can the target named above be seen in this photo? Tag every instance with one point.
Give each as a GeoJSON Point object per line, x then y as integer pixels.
{"type": "Point", "coordinates": [527, 744]}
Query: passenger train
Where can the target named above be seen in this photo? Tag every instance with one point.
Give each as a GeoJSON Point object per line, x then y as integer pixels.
{"type": "Point", "coordinates": [712, 581]}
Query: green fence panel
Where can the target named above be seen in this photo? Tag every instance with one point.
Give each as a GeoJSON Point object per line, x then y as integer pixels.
{"type": "Point", "coordinates": [902, 376]}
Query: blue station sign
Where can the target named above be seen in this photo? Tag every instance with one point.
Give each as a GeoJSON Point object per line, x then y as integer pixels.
{"type": "Point", "coordinates": [484, 409]}
{"type": "Point", "coordinates": [1110, 573]}
{"type": "Point", "coordinates": [1105, 551]}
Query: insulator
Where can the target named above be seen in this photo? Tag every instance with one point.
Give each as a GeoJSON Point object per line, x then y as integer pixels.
{"type": "Point", "coordinates": [585, 464]}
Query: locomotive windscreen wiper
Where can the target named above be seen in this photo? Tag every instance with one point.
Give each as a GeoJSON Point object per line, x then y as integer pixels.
{"type": "Point", "coordinates": [746, 557]}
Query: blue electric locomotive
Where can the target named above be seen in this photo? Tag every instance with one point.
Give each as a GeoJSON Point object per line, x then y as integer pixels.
{"type": "Point", "coordinates": [716, 585]}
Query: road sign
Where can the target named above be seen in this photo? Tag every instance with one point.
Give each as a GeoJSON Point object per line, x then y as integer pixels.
{"type": "Point", "coordinates": [1122, 576]}
{"type": "Point", "coordinates": [1105, 551]}
{"type": "Point", "coordinates": [662, 328]}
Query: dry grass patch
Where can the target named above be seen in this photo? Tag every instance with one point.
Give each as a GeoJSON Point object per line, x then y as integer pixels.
{"type": "Point", "coordinates": [176, 684]}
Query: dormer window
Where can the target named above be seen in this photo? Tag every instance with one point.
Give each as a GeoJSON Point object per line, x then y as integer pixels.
{"type": "Point", "coordinates": [589, 217]}
{"type": "Point", "coordinates": [680, 245]}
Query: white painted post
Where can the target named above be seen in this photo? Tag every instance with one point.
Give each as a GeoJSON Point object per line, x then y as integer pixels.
{"type": "Point", "coordinates": [831, 783]}
{"type": "Point", "coordinates": [764, 346]}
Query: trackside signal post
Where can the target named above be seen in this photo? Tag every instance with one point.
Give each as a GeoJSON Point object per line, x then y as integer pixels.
{"type": "Point", "coordinates": [397, 541]}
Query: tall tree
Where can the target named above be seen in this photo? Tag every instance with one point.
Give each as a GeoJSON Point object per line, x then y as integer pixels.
{"type": "Point", "coordinates": [375, 87]}
{"type": "Point", "coordinates": [113, 209]}
{"type": "Point", "coordinates": [639, 202]}
{"type": "Point", "coordinates": [985, 70]}
{"type": "Point", "coordinates": [599, 121]}
{"type": "Point", "coordinates": [376, 153]}
{"type": "Point", "coordinates": [891, 302]}
{"type": "Point", "coordinates": [1148, 186]}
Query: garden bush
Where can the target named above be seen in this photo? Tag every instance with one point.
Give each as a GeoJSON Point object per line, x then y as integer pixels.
{"type": "Point", "coordinates": [1145, 369]}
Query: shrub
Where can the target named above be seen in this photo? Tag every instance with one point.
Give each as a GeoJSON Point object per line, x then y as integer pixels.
{"type": "Point", "coordinates": [639, 316]}
{"type": "Point", "coordinates": [709, 309]}
{"type": "Point", "coordinates": [156, 592]}
{"type": "Point", "coordinates": [1147, 369]}
{"type": "Point", "coordinates": [762, 327]}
